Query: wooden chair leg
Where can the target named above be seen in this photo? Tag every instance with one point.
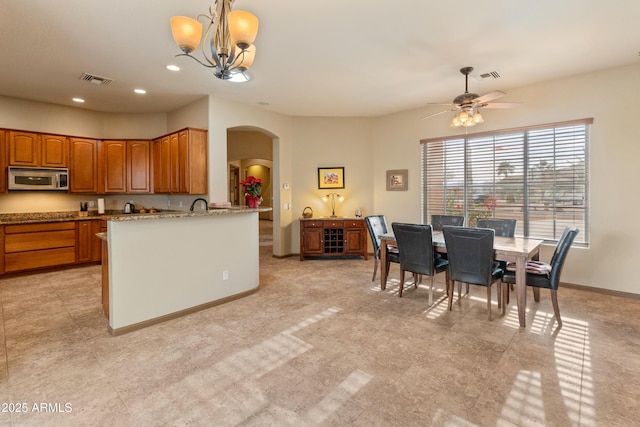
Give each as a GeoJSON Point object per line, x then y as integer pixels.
{"type": "Point", "coordinates": [387, 271]}
{"type": "Point", "coordinates": [489, 301]}
{"type": "Point", "coordinates": [453, 283]}
{"type": "Point", "coordinates": [401, 283]}
{"type": "Point", "coordinates": [499, 292]}
{"type": "Point", "coordinates": [536, 294]}
{"type": "Point", "coordinates": [556, 309]}
{"type": "Point", "coordinates": [375, 269]}
{"type": "Point", "coordinates": [431, 291]}
{"type": "Point", "coordinates": [505, 297]}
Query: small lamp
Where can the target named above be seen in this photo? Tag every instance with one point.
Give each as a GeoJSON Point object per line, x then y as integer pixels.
{"type": "Point", "coordinates": [333, 202]}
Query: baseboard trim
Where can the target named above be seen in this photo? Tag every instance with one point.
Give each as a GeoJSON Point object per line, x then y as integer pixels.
{"type": "Point", "coordinates": [610, 292]}
{"type": "Point", "coordinates": [130, 328]}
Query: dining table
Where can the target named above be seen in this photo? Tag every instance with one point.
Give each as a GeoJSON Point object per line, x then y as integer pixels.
{"type": "Point", "coordinates": [516, 250]}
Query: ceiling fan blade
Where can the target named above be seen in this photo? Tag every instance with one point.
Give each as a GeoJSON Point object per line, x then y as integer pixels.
{"type": "Point", "coordinates": [435, 114]}
{"type": "Point", "coordinates": [502, 105]}
{"type": "Point", "coordinates": [489, 96]}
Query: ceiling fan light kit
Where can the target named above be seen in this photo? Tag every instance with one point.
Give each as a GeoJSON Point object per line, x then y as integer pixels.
{"type": "Point", "coordinates": [230, 36]}
{"type": "Point", "coordinates": [468, 105]}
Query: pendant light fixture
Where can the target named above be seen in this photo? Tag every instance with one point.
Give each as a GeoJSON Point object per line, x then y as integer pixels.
{"type": "Point", "coordinates": [229, 35]}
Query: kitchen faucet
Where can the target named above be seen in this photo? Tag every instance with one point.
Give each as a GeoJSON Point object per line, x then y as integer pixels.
{"type": "Point", "coordinates": [206, 204]}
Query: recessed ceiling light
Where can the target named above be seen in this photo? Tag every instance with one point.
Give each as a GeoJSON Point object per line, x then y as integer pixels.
{"type": "Point", "coordinates": [173, 67]}
{"type": "Point", "coordinates": [80, 100]}
{"type": "Point", "coordinates": [140, 91]}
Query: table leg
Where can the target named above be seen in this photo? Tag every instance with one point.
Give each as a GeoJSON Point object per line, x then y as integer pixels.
{"type": "Point", "coordinates": [521, 289]}
{"type": "Point", "coordinates": [383, 264]}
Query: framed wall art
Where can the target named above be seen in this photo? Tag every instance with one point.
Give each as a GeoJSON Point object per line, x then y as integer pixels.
{"type": "Point", "coordinates": [397, 180]}
{"type": "Point", "coordinates": [330, 178]}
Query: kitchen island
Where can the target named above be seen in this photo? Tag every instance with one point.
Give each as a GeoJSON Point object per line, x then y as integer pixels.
{"type": "Point", "coordinates": [166, 265]}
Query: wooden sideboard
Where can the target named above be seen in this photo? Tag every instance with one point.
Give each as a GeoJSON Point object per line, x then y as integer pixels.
{"type": "Point", "coordinates": [332, 237]}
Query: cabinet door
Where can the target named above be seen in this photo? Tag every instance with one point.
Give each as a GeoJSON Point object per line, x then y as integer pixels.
{"type": "Point", "coordinates": [196, 172]}
{"type": "Point", "coordinates": [156, 164]}
{"type": "Point", "coordinates": [55, 151]}
{"type": "Point", "coordinates": [174, 161]}
{"type": "Point", "coordinates": [83, 171]}
{"type": "Point", "coordinates": [84, 235]}
{"type": "Point", "coordinates": [24, 149]}
{"type": "Point", "coordinates": [312, 241]}
{"type": "Point", "coordinates": [3, 164]}
{"type": "Point", "coordinates": [354, 238]}
{"type": "Point", "coordinates": [183, 162]}
{"type": "Point", "coordinates": [138, 166]}
{"type": "Point", "coordinates": [114, 156]}
{"type": "Point", "coordinates": [164, 157]}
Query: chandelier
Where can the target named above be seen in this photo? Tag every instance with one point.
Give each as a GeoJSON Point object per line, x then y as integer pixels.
{"type": "Point", "coordinates": [467, 117]}
{"type": "Point", "coordinates": [230, 35]}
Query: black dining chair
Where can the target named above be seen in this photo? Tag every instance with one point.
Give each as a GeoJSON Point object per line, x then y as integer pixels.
{"type": "Point", "coordinates": [550, 278]}
{"type": "Point", "coordinates": [439, 221]}
{"type": "Point", "coordinates": [471, 260]}
{"type": "Point", "coordinates": [502, 226]}
{"type": "Point", "coordinates": [377, 225]}
{"type": "Point", "coordinates": [415, 244]}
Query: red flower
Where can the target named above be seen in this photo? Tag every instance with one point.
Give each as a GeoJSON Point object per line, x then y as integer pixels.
{"type": "Point", "coordinates": [252, 186]}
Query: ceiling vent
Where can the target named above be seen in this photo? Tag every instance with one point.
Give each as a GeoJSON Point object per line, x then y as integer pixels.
{"type": "Point", "coordinates": [96, 80]}
{"type": "Point", "coordinates": [490, 75]}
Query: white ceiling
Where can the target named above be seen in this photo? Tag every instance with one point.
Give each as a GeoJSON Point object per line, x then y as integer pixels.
{"type": "Point", "coordinates": [314, 57]}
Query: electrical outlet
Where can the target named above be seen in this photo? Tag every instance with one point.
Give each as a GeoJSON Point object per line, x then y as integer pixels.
{"type": "Point", "coordinates": [180, 203]}
{"type": "Point", "coordinates": [225, 275]}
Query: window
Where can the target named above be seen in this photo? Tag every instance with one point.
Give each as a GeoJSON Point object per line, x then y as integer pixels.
{"type": "Point", "coordinates": [538, 175]}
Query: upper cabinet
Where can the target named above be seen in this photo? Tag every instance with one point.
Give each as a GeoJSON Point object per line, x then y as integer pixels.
{"type": "Point", "coordinates": [83, 173]}
{"type": "Point", "coordinates": [34, 150]}
{"type": "Point", "coordinates": [180, 162]}
{"type": "Point", "coordinates": [54, 151]}
{"type": "Point", "coordinates": [193, 160]}
{"type": "Point", "coordinates": [3, 162]}
{"type": "Point", "coordinates": [114, 158]}
{"type": "Point", "coordinates": [138, 166]}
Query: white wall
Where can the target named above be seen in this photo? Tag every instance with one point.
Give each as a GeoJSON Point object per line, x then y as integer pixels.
{"type": "Point", "coordinates": [158, 267]}
{"type": "Point", "coordinates": [331, 142]}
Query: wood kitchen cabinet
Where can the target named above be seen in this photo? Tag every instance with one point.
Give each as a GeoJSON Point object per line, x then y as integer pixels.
{"type": "Point", "coordinates": [138, 166]}
{"type": "Point", "coordinates": [180, 162]}
{"type": "Point", "coordinates": [32, 246]}
{"type": "Point", "coordinates": [193, 160]}
{"type": "Point", "coordinates": [87, 243]}
{"type": "Point", "coordinates": [126, 166]}
{"type": "Point", "coordinates": [332, 237]}
{"type": "Point", "coordinates": [84, 169]}
{"type": "Point", "coordinates": [3, 163]}
{"type": "Point", "coordinates": [32, 149]}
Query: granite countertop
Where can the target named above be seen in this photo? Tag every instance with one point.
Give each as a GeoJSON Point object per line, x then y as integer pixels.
{"type": "Point", "coordinates": [36, 217]}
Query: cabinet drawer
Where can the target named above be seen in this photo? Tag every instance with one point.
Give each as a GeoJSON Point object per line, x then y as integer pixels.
{"type": "Point", "coordinates": [334, 224]}
{"type": "Point", "coordinates": [45, 258]}
{"type": "Point", "coordinates": [37, 241]}
{"type": "Point", "coordinates": [45, 226]}
{"type": "Point", "coordinates": [354, 224]}
{"type": "Point", "coordinates": [312, 224]}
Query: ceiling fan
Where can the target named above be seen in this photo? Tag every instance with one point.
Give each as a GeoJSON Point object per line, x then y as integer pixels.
{"type": "Point", "coordinates": [469, 104]}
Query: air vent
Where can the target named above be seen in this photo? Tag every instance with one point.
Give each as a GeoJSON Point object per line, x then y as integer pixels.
{"type": "Point", "coordinates": [491, 75]}
{"type": "Point", "coordinates": [96, 80]}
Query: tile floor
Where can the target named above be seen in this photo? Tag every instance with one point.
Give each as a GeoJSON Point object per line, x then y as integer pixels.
{"type": "Point", "coordinates": [319, 344]}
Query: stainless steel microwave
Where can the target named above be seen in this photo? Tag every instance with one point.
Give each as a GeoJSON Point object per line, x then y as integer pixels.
{"type": "Point", "coordinates": [21, 178]}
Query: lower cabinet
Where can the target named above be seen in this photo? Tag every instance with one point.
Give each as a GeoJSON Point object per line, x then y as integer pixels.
{"type": "Point", "coordinates": [31, 246]}
{"type": "Point", "coordinates": [25, 247]}
{"type": "Point", "coordinates": [332, 237]}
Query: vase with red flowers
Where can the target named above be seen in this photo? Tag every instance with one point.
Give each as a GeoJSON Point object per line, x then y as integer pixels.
{"type": "Point", "coordinates": [252, 188]}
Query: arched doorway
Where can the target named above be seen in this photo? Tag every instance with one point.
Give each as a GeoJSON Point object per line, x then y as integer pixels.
{"type": "Point", "coordinates": [250, 151]}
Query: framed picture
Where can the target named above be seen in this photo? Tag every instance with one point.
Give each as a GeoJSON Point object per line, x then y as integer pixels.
{"type": "Point", "coordinates": [330, 178]}
{"type": "Point", "coordinates": [397, 180]}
